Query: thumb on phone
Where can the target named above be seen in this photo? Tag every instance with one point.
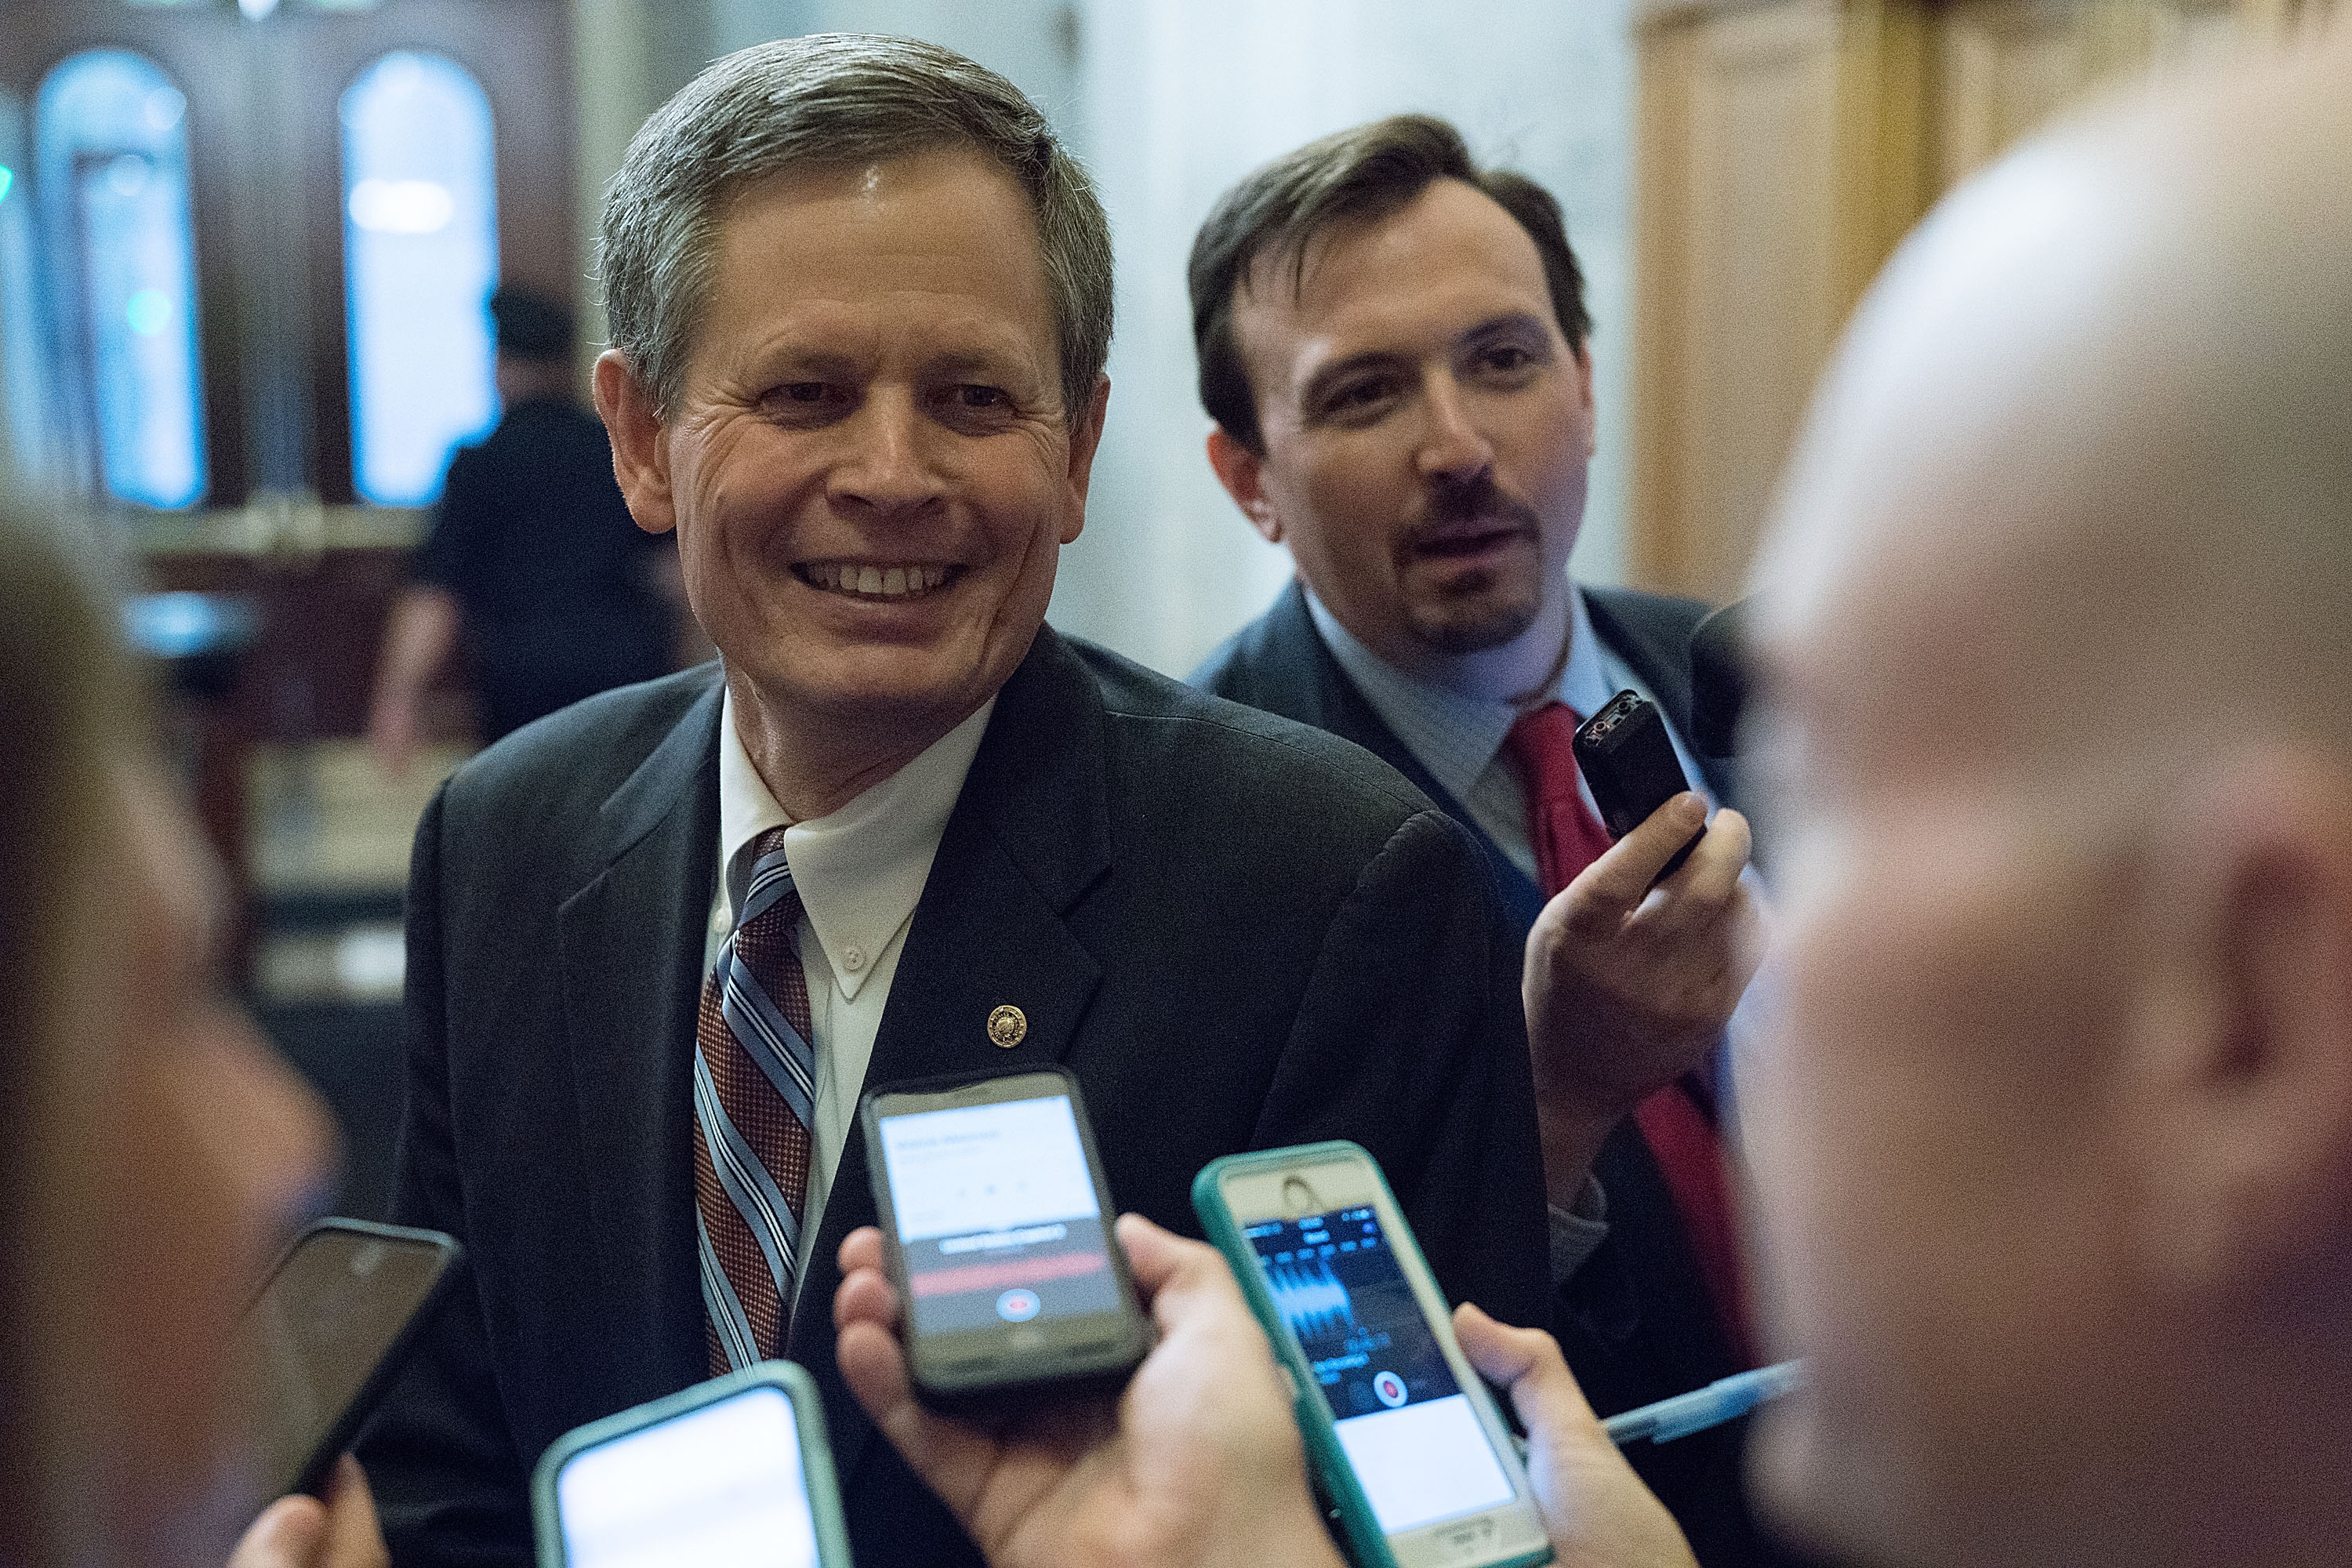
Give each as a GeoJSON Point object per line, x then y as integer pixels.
{"type": "Point", "coordinates": [303, 1533]}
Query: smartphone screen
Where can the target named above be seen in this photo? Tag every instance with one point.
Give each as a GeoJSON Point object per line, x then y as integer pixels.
{"type": "Point", "coordinates": [721, 1486]}
{"type": "Point", "coordinates": [337, 1304]}
{"type": "Point", "coordinates": [996, 1216]}
{"type": "Point", "coordinates": [1409, 1431]}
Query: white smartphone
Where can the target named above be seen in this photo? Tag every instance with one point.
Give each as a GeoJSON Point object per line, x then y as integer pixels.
{"type": "Point", "coordinates": [732, 1473]}
{"type": "Point", "coordinates": [1408, 1444]}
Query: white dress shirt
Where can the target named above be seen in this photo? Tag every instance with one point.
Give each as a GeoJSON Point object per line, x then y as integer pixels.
{"type": "Point", "coordinates": [860, 871]}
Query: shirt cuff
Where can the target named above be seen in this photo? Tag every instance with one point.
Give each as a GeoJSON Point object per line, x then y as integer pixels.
{"type": "Point", "coordinates": [1578, 1230]}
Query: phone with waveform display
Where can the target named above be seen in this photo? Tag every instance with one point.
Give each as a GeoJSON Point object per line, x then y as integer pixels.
{"type": "Point", "coordinates": [1405, 1440]}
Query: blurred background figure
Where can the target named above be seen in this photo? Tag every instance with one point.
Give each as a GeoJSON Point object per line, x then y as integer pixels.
{"type": "Point", "coordinates": [532, 562]}
{"type": "Point", "coordinates": [153, 1152]}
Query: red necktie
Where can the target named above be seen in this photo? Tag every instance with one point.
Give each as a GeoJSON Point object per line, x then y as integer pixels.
{"type": "Point", "coordinates": [1674, 1120]}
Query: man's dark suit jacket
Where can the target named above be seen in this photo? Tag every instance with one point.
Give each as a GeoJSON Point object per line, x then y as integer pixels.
{"type": "Point", "coordinates": [1635, 1322]}
{"type": "Point", "coordinates": [1237, 931]}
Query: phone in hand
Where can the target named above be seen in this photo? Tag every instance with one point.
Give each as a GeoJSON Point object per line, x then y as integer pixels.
{"type": "Point", "coordinates": [327, 1334]}
{"type": "Point", "coordinates": [1626, 755]}
{"type": "Point", "coordinates": [1406, 1443]}
{"type": "Point", "coordinates": [732, 1473]}
{"type": "Point", "coordinates": [996, 1225]}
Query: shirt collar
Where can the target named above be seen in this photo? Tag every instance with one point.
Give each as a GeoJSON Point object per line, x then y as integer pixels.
{"type": "Point", "coordinates": [860, 869]}
{"type": "Point", "coordinates": [1457, 737]}
{"type": "Point", "coordinates": [1587, 684]}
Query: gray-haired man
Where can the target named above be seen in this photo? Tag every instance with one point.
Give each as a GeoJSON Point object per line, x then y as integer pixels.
{"type": "Point", "coordinates": [860, 301]}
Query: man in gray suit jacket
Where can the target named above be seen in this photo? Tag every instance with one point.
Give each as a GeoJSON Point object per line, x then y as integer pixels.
{"type": "Point", "coordinates": [860, 305]}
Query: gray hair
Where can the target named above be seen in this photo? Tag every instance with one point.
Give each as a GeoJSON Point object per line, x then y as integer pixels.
{"type": "Point", "coordinates": [830, 101]}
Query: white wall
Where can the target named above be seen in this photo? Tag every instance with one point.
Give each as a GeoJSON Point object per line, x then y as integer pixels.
{"type": "Point", "coordinates": [1034, 43]}
{"type": "Point", "coordinates": [627, 57]}
{"type": "Point", "coordinates": [1170, 102]}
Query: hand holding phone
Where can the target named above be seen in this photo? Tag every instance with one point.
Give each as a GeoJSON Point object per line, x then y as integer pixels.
{"type": "Point", "coordinates": [300, 1532]}
{"type": "Point", "coordinates": [997, 1221]}
{"type": "Point", "coordinates": [327, 1334]}
{"type": "Point", "coordinates": [1595, 1508]}
{"type": "Point", "coordinates": [1412, 1452]}
{"type": "Point", "coordinates": [1199, 1463]}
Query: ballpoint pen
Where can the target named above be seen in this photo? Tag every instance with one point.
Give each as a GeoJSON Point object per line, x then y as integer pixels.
{"type": "Point", "coordinates": [1723, 1400]}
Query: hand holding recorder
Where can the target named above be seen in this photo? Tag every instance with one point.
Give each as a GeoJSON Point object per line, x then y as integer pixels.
{"type": "Point", "coordinates": [1199, 1462]}
{"type": "Point", "coordinates": [1633, 969]}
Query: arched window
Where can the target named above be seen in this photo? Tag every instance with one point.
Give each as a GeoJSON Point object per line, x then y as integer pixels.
{"type": "Point", "coordinates": [24, 400]}
{"type": "Point", "coordinates": [111, 166]}
{"type": "Point", "coordinates": [420, 257]}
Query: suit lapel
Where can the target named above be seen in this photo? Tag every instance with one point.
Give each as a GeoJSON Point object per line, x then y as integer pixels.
{"type": "Point", "coordinates": [1029, 834]}
{"type": "Point", "coordinates": [1329, 700]}
{"type": "Point", "coordinates": [632, 959]}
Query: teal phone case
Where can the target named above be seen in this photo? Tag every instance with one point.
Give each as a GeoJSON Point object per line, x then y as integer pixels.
{"type": "Point", "coordinates": [1366, 1543]}
{"type": "Point", "coordinates": [808, 1420]}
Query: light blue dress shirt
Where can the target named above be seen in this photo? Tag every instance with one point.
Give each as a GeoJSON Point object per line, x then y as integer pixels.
{"type": "Point", "coordinates": [1460, 739]}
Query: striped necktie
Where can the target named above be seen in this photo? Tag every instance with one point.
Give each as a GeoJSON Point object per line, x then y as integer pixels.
{"type": "Point", "coordinates": [754, 1097]}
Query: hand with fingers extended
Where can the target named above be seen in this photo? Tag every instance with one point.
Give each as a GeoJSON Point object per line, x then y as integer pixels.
{"type": "Point", "coordinates": [1595, 1508]}
{"type": "Point", "coordinates": [304, 1533]}
{"type": "Point", "coordinates": [1629, 985]}
{"type": "Point", "coordinates": [1198, 1463]}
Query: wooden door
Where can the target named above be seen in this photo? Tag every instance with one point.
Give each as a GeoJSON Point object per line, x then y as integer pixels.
{"type": "Point", "coordinates": [1784, 148]}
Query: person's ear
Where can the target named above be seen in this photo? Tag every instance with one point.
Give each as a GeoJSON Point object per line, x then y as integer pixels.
{"type": "Point", "coordinates": [2239, 1105]}
{"type": "Point", "coordinates": [1584, 394]}
{"type": "Point", "coordinates": [640, 443]}
{"type": "Point", "coordinates": [1242, 473]}
{"type": "Point", "coordinates": [1084, 442]}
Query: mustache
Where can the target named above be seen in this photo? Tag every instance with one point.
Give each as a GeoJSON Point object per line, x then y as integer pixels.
{"type": "Point", "coordinates": [1479, 500]}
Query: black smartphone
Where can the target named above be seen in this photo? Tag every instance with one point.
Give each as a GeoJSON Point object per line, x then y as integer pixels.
{"type": "Point", "coordinates": [997, 1227]}
{"type": "Point", "coordinates": [327, 1334]}
{"type": "Point", "coordinates": [1629, 760]}
{"type": "Point", "coordinates": [732, 1473]}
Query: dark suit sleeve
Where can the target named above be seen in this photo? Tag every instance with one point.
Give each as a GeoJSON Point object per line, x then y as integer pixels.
{"type": "Point", "coordinates": [1410, 1040]}
{"type": "Point", "coordinates": [447, 1482]}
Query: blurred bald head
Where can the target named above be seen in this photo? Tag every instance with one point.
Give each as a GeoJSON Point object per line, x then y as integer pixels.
{"type": "Point", "coordinates": [2055, 1135]}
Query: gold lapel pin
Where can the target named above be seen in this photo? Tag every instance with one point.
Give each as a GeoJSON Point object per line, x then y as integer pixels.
{"type": "Point", "coordinates": [1007, 1027]}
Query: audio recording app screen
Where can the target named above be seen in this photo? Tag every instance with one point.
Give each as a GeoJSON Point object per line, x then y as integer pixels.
{"type": "Point", "coordinates": [1409, 1431]}
{"type": "Point", "coordinates": [996, 1216]}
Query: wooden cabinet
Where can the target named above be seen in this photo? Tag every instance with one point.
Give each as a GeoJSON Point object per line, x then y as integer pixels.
{"type": "Point", "coordinates": [1784, 148]}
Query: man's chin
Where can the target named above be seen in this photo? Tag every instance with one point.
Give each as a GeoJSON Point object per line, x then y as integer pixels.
{"type": "Point", "coordinates": [916, 687]}
{"type": "Point", "coordinates": [1456, 631]}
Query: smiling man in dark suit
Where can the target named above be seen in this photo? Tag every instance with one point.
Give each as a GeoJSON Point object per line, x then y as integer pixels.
{"type": "Point", "coordinates": [1392, 342]}
{"type": "Point", "coordinates": [659, 942]}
